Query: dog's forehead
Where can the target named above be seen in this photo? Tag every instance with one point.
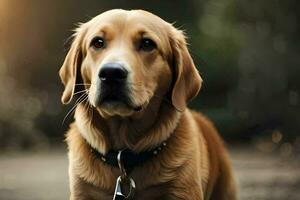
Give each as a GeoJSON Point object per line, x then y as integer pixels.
{"type": "Point", "coordinates": [119, 18]}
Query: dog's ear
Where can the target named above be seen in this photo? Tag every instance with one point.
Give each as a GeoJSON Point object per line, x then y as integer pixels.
{"type": "Point", "coordinates": [187, 81]}
{"type": "Point", "coordinates": [71, 66]}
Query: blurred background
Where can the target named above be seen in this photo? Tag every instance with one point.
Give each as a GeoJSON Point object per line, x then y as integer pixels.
{"type": "Point", "coordinates": [246, 51]}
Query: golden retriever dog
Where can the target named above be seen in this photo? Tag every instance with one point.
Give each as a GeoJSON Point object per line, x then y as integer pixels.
{"type": "Point", "coordinates": [133, 77]}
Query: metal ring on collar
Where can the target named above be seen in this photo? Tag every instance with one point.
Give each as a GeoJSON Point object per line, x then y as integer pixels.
{"type": "Point", "coordinates": [121, 164]}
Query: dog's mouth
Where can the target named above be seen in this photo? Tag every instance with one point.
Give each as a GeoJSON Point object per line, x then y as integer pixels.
{"type": "Point", "coordinates": [117, 100]}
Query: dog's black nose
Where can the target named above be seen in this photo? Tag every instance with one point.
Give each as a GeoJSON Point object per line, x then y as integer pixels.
{"type": "Point", "coordinates": [113, 71]}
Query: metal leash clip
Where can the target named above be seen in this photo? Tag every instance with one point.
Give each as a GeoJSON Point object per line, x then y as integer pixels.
{"type": "Point", "coordinates": [121, 181]}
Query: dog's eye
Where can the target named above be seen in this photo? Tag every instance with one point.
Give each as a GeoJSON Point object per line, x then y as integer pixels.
{"type": "Point", "coordinates": [98, 43]}
{"type": "Point", "coordinates": [147, 44]}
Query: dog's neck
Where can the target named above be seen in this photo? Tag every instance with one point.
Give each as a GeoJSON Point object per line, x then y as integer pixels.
{"type": "Point", "coordinates": [138, 132]}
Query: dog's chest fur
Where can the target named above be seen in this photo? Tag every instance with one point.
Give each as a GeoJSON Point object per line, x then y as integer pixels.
{"type": "Point", "coordinates": [170, 175]}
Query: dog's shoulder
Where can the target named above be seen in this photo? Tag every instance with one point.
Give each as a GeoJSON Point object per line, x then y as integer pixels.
{"type": "Point", "coordinates": [220, 175]}
{"type": "Point", "coordinates": [207, 128]}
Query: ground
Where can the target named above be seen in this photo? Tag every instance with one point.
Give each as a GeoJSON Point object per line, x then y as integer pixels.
{"type": "Point", "coordinates": [43, 176]}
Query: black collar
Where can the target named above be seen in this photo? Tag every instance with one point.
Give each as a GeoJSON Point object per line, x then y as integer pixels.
{"type": "Point", "coordinates": [129, 159]}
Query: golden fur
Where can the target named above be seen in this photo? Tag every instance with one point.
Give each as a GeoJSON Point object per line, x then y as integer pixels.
{"type": "Point", "coordinates": [194, 164]}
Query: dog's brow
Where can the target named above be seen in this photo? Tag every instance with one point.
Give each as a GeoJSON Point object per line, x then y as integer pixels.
{"type": "Point", "coordinates": [146, 33]}
{"type": "Point", "coordinates": [101, 30]}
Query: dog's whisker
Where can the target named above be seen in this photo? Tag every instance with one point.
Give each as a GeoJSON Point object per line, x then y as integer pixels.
{"type": "Point", "coordinates": [71, 110]}
{"type": "Point", "coordinates": [82, 98]}
{"type": "Point", "coordinates": [83, 84]}
{"type": "Point", "coordinates": [81, 91]}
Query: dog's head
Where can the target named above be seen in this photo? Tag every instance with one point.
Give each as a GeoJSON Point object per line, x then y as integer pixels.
{"type": "Point", "coordinates": [126, 58]}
